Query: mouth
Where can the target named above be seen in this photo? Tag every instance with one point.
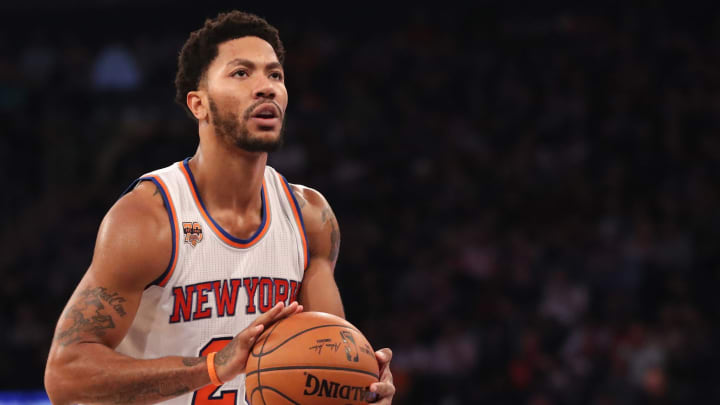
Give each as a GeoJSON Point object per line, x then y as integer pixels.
{"type": "Point", "coordinates": [266, 114]}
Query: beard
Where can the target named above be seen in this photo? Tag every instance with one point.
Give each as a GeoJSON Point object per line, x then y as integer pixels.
{"type": "Point", "coordinates": [235, 131]}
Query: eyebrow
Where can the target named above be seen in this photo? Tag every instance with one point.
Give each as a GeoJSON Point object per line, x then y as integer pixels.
{"type": "Point", "coordinates": [251, 64]}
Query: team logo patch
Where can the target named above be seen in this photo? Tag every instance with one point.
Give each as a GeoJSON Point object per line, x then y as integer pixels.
{"type": "Point", "coordinates": [193, 233]}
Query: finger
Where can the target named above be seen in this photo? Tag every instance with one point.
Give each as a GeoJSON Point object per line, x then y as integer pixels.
{"type": "Point", "coordinates": [386, 375]}
{"type": "Point", "coordinates": [384, 390]}
{"type": "Point", "coordinates": [250, 334]}
{"type": "Point", "coordinates": [267, 316]}
{"type": "Point", "coordinates": [285, 312]}
{"type": "Point", "coordinates": [290, 309]}
{"type": "Point", "coordinates": [276, 313]}
{"type": "Point", "coordinates": [384, 356]}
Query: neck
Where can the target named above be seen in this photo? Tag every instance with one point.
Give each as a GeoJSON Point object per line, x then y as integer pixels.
{"type": "Point", "coordinates": [228, 177]}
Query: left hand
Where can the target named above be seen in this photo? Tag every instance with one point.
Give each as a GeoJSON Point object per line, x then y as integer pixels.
{"type": "Point", "coordinates": [385, 389]}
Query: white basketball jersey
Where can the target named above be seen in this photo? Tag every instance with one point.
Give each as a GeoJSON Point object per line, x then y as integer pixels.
{"type": "Point", "coordinates": [216, 284]}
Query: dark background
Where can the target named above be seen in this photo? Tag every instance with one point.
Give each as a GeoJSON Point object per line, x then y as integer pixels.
{"type": "Point", "coordinates": [528, 196]}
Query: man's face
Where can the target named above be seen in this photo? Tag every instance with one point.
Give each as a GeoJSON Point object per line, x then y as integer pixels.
{"type": "Point", "coordinates": [247, 95]}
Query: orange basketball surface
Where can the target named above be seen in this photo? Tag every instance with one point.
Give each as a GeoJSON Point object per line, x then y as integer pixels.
{"type": "Point", "coordinates": [311, 358]}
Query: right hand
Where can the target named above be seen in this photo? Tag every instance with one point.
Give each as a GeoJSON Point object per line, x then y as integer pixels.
{"type": "Point", "coordinates": [231, 360]}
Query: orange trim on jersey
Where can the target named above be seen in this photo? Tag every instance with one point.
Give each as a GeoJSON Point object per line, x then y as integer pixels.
{"type": "Point", "coordinates": [216, 227]}
{"type": "Point", "coordinates": [296, 214]}
{"type": "Point", "coordinates": [177, 230]}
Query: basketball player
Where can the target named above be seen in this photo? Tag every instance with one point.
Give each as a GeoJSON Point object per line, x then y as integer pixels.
{"type": "Point", "coordinates": [194, 253]}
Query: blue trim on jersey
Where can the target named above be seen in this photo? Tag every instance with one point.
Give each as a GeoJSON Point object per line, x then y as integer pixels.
{"type": "Point", "coordinates": [131, 187]}
{"type": "Point", "coordinates": [166, 201]}
{"type": "Point", "coordinates": [220, 228]}
{"type": "Point", "coordinates": [302, 222]}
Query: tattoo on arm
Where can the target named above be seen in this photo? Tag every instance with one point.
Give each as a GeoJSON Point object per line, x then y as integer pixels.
{"type": "Point", "coordinates": [144, 389]}
{"type": "Point", "coordinates": [89, 315]}
{"type": "Point", "coordinates": [329, 216]}
{"type": "Point", "coordinates": [192, 361]}
{"type": "Point", "coordinates": [227, 353]}
{"type": "Point", "coordinates": [157, 189]}
{"type": "Point", "coordinates": [335, 241]}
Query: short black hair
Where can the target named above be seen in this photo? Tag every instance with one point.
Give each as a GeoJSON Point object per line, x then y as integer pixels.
{"type": "Point", "coordinates": [202, 47]}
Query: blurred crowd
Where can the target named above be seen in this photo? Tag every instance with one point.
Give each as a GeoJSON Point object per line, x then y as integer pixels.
{"type": "Point", "coordinates": [528, 199]}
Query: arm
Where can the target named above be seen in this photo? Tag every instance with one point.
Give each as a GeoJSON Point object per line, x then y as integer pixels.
{"type": "Point", "coordinates": [133, 248]}
{"type": "Point", "coordinates": [319, 291]}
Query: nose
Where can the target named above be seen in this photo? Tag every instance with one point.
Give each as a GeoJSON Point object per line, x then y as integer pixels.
{"type": "Point", "coordinates": [265, 89]}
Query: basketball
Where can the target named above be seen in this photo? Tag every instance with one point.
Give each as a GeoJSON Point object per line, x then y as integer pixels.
{"type": "Point", "coordinates": [311, 358]}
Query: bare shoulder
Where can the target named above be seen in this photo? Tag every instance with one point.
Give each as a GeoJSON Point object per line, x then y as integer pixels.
{"type": "Point", "coordinates": [307, 195]}
{"type": "Point", "coordinates": [321, 225]}
{"type": "Point", "coordinates": [132, 250]}
{"type": "Point", "coordinates": [142, 203]}
{"type": "Point", "coordinates": [315, 208]}
{"type": "Point", "coordinates": [135, 238]}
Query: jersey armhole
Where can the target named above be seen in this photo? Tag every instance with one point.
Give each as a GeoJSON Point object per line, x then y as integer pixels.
{"type": "Point", "coordinates": [162, 280]}
{"type": "Point", "coordinates": [297, 213]}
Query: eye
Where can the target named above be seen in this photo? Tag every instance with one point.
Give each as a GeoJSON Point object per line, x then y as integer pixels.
{"type": "Point", "coordinates": [276, 75]}
{"type": "Point", "coordinates": [241, 73]}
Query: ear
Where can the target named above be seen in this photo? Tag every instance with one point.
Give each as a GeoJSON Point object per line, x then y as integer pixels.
{"type": "Point", "coordinates": [197, 103]}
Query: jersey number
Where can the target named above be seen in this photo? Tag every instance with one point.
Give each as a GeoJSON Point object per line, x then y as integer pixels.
{"type": "Point", "coordinates": [206, 395]}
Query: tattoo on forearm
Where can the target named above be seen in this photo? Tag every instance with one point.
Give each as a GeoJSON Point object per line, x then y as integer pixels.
{"type": "Point", "coordinates": [148, 389]}
{"type": "Point", "coordinates": [227, 353]}
{"type": "Point", "coordinates": [192, 361]}
{"type": "Point", "coordinates": [144, 389]}
{"type": "Point", "coordinates": [88, 315]}
{"type": "Point", "coordinates": [329, 216]}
